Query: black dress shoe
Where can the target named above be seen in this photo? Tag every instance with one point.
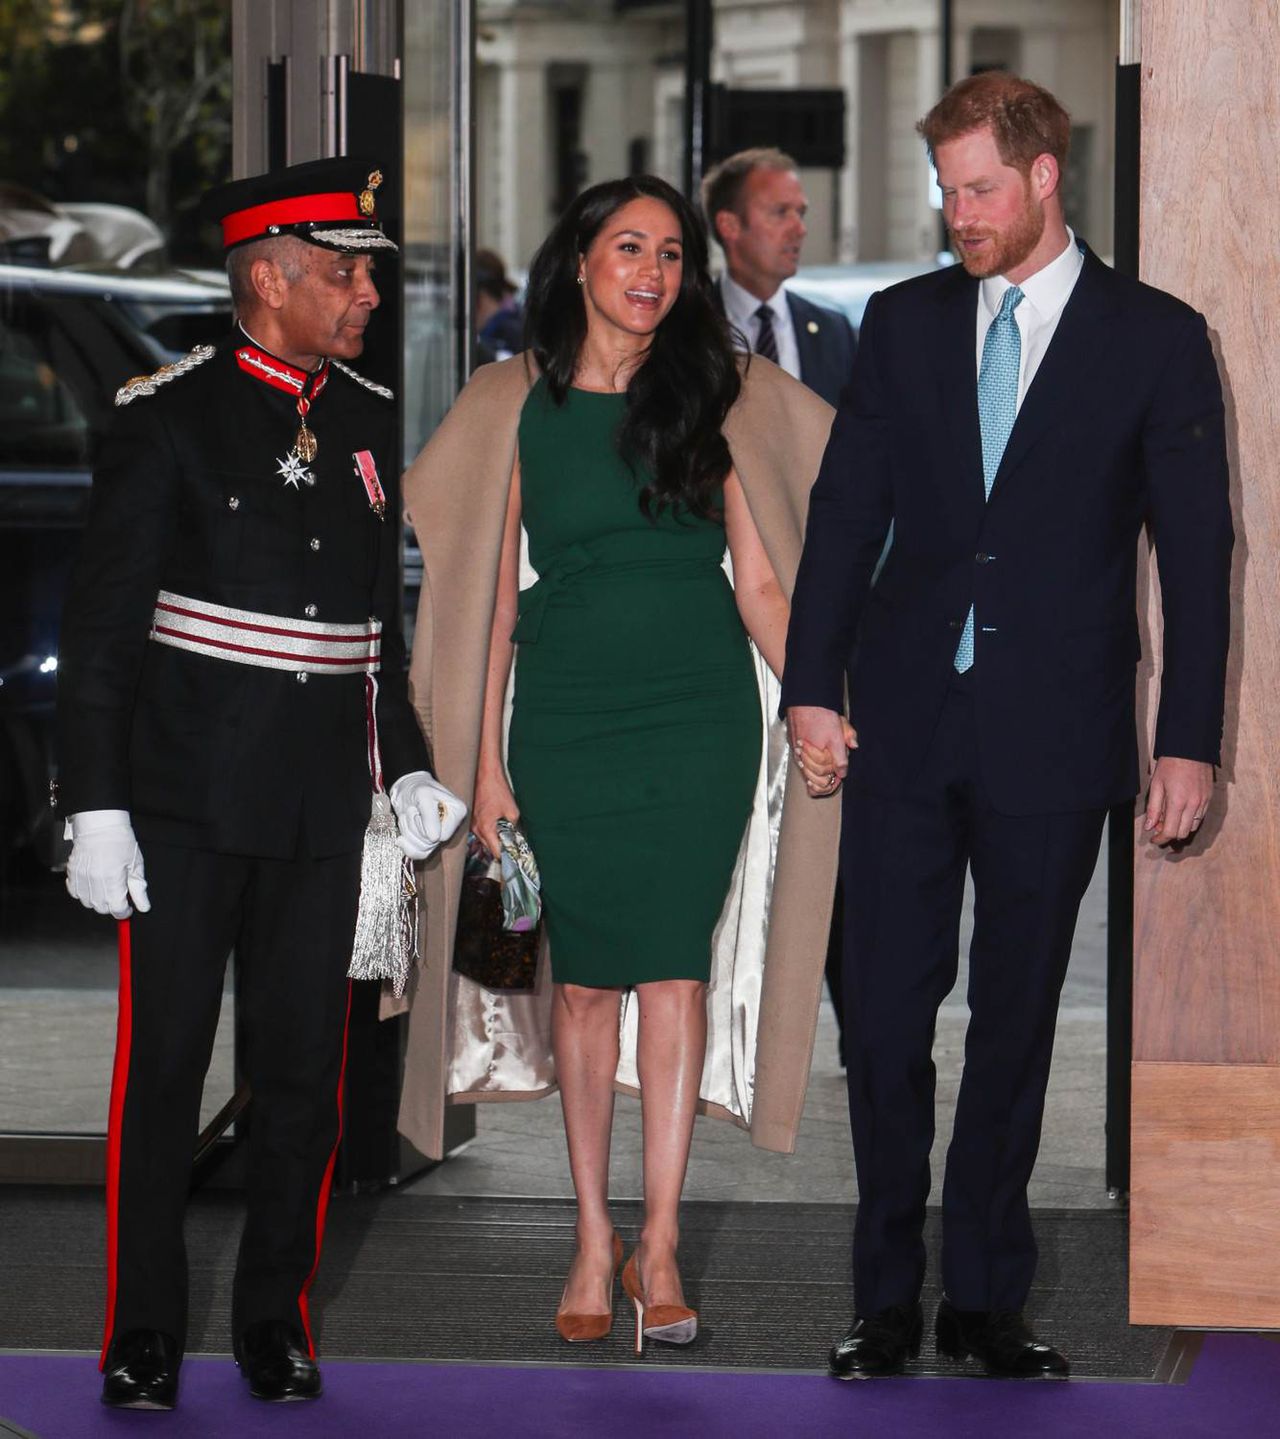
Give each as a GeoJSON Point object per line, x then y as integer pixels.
{"type": "Point", "coordinates": [878, 1344]}
{"type": "Point", "coordinates": [273, 1357]}
{"type": "Point", "coordinates": [1001, 1339]}
{"type": "Point", "coordinates": [141, 1371]}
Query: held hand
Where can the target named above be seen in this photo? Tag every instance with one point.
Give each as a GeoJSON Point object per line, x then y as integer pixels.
{"type": "Point", "coordinates": [105, 870]}
{"type": "Point", "coordinates": [494, 801]}
{"type": "Point", "coordinates": [820, 741]}
{"type": "Point", "coordinates": [818, 766]}
{"type": "Point", "coordinates": [427, 814]}
{"type": "Point", "coordinates": [1178, 799]}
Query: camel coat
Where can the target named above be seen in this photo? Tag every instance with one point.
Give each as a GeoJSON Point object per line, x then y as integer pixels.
{"type": "Point", "coordinates": [467, 1043]}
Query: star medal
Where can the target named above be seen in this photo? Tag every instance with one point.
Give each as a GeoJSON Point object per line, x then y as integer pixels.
{"type": "Point", "coordinates": [306, 389]}
{"type": "Point", "coordinates": [293, 468]}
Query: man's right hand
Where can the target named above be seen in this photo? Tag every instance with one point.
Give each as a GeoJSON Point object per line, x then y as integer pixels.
{"type": "Point", "coordinates": [105, 869]}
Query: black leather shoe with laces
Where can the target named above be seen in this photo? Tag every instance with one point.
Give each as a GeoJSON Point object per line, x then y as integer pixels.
{"type": "Point", "coordinates": [274, 1358]}
{"type": "Point", "coordinates": [1001, 1339]}
{"type": "Point", "coordinates": [878, 1344]}
{"type": "Point", "coordinates": [141, 1371]}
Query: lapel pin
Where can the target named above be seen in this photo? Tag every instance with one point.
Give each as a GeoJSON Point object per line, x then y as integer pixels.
{"type": "Point", "coordinates": [812, 327]}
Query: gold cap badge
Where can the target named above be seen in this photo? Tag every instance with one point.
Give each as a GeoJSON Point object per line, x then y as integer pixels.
{"type": "Point", "coordinates": [366, 195]}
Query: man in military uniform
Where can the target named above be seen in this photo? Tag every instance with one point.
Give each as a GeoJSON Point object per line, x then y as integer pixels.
{"type": "Point", "coordinates": [219, 718]}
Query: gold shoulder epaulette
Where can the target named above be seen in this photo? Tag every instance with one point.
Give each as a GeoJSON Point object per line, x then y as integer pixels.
{"type": "Point", "coordinates": [360, 380]}
{"type": "Point", "coordinates": [149, 384]}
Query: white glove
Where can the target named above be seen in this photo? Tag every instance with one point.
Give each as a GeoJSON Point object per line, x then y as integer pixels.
{"type": "Point", "coordinates": [105, 868]}
{"type": "Point", "coordinates": [426, 813]}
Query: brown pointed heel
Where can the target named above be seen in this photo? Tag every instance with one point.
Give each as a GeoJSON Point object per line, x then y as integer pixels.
{"type": "Point", "coordinates": [667, 1323]}
{"type": "Point", "coordinates": [584, 1328]}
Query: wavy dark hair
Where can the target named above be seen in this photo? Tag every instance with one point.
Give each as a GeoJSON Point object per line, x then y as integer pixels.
{"type": "Point", "coordinates": [678, 397]}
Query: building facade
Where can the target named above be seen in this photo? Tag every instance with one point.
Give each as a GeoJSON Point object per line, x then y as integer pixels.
{"type": "Point", "coordinates": [569, 92]}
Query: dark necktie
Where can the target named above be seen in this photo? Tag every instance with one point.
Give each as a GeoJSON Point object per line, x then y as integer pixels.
{"type": "Point", "coordinates": [766, 341]}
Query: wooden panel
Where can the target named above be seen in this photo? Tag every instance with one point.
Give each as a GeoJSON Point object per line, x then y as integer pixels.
{"type": "Point", "coordinates": [1204, 1230]}
{"type": "Point", "coordinates": [1207, 985]}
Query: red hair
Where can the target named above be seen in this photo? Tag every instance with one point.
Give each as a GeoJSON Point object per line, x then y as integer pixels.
{"type": "Point", "coordinates": [1024, 119]}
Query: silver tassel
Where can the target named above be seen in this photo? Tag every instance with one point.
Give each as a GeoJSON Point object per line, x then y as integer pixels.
{"type": "Point", "coordinates": [386, 942]}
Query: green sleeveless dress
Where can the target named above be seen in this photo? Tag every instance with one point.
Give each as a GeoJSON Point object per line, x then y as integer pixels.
{"type": "Point", "coordinates": [636, 734]}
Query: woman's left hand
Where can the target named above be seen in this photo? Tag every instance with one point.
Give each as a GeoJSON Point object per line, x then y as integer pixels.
{"type": "Point", "coordinates": [818, 766]}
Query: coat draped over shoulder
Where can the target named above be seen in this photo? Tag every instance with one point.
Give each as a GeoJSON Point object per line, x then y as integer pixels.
{"type": "Point", "coordinates": [467, 1043]}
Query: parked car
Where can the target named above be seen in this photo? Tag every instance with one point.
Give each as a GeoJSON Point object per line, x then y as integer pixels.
{"type": "Point", "coordinates": [68, 340]}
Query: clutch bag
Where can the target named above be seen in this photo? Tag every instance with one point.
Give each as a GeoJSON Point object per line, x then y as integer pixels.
{"type": "Point", "coordinates": [499, 913]}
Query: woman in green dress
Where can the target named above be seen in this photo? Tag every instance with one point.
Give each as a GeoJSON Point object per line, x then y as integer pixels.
{"type": "Point", "coordinates": [635, 736]}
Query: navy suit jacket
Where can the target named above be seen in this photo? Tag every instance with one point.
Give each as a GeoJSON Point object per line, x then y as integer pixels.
{"type": "Point", "coordinates": [1122, 426]}
{"type": "Point", "coordinates": [827, 346]}
{"type": "Point", "coordinates": [826, 343]}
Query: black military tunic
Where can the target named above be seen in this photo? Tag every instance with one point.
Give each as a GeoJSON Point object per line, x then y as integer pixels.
{"type": "Point", "coordinates": [189, 498]}
{"type": "Point", "coordinates": [249, 791]}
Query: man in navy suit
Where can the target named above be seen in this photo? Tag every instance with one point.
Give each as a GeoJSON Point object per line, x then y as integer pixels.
{"type": "Point", "coordinates": [1018, 418]}
{"type": "Point", "coordinates": [755, 207]}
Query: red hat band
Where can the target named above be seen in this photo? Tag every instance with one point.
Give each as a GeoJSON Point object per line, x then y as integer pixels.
{"type": "Point", "coordinates": [257, 220]}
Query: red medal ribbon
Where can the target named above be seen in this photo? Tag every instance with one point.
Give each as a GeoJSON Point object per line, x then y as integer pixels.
{"type": "Point", "coordinates": [368, 474]}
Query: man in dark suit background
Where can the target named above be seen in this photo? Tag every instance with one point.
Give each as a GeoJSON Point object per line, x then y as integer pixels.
{"type": "Point", "coordinates": [1018, 419]}
{"type": "Point", "coordinates": [755, 207]}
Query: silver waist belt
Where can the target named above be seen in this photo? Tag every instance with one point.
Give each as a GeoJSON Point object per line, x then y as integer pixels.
{"type": "Point", "coordinates": [272, 642]}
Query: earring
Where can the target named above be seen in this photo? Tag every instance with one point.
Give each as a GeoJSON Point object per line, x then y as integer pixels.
{"type": "Point", "coordinates": [582, 279]}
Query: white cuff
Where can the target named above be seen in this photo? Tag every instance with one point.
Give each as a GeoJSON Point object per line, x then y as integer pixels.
{"type": "Point", "coordinates": [94, 821]}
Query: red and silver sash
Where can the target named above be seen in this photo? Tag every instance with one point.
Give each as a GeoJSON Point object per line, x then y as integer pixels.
{"type": "Point", "coordinates": [271, 642]}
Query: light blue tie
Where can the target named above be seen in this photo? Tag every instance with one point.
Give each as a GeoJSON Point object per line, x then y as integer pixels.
{"type": "Point", "coordinates": [997, 410]}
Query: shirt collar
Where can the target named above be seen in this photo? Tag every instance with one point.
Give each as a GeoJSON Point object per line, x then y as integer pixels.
{"type": "Point", "coordinates": [1048, 290]}
{"type": "Point", "coordinates": [741, 305]}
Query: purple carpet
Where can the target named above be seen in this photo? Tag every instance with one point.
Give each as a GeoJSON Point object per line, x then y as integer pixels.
{"type": "Point", "coordinates": [1234, 1390]}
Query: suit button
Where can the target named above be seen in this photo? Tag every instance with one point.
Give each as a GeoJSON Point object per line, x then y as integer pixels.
{"type": "Point", "coordinates": [301, 677]}
{"type": "Point", "coordinates": [311, 612]}
{"type": "Point", "coordinates": [233, 503]}
{"type": "Point", "coordinates": [983, 559]}
{"type": "Point", "coordinates": [315, 544]}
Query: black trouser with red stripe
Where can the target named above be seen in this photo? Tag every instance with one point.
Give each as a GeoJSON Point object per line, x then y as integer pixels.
{"type": "Point", "coordinates": [291, 923]}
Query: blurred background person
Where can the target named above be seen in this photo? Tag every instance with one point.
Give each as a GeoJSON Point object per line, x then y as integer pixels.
{"type": "Point", "coordinates": [755, 207]}
{"type": "Point", "coordinates": [499, 321]}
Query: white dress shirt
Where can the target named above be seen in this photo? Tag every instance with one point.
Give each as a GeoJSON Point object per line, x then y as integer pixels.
{"type": "Point", "coordinates": [741, 305]}
{"type": "Point", "coordinates": [1045, 294]}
